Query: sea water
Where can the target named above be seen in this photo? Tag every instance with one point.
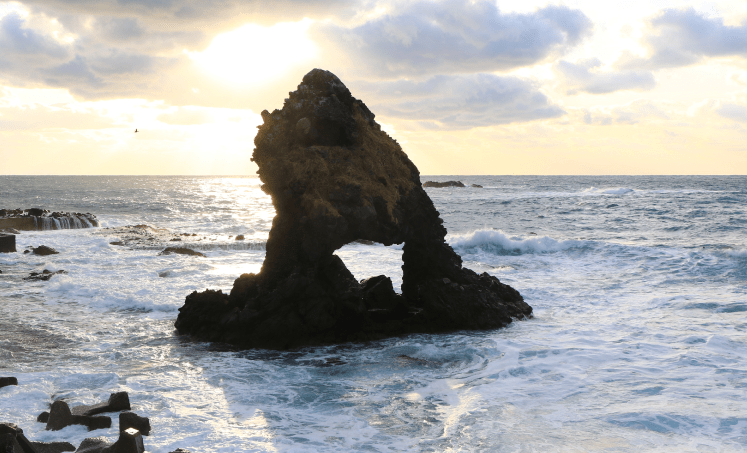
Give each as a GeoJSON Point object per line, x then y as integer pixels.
{"type": "Point", "coordinates": [638, 341]}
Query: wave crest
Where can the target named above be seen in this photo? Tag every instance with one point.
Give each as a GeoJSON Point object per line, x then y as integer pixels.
{"type": "Point", "coordinates": [499, 243]}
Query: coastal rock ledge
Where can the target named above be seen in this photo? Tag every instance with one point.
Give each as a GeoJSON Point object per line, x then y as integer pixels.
{"type": "Point", "coordinates": [335, 177]}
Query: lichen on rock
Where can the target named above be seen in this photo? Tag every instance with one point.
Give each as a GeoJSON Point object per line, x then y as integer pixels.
{"type": "Point", "coordinates": [335, 178]}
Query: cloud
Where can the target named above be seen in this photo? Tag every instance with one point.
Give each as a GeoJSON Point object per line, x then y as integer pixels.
{"type": "Point", "coordinates": [733, 111]}
{"type": "Point", "coordinates": [631, 113]}
{"type": "Point", "coordinates": [22, 47]}
{"type": "Point", "coordinates": [683, 37]}
{"type": "Point", "coordinates": [459, 101]}
{"type": "Point", "coordinates": [584, 76]}
{"type": "Point", "coordinates": [453, 36]}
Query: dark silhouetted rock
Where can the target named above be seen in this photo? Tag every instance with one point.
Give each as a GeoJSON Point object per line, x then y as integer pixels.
{"type": "Point", "coordinates": [36, 212]}
{"type": "Point", "coordinates": [335, 178]}
{"type": "Point", "coordinates": [180, 450]}
{"type": "Point", "coordinates": [60, 416]}
{"type": "Point", "coordinates": [119, 401]}
{"type": "Point", "coordinates": [52, 447]}
{"type": "Point", "coordinates": [240, 237]}
{"type": "Point", "coordinates": [443, 184]}
{"type": "Point", "coordinates": [93, 445]}
{"type": "Point", "coordinates": [181, 251]}
{"type": "Point", "coordinates": [130, 441]}
{"type": "Point", "coordinates": [12, 439]}
{"type": "Point", "coordinates": [132, 420]}
{"type": "Point", "coordinates": [43, 275]}
{"type": "Point", "coordinates": [43, 250]}
{"type": "Point", "coordinates": [477, 186]}
{"type": "Point", "coordinates": [5, 381]}
{"type": "Point", "coordinates": [43, 417]}
{"type": "Point", "coordinates": [7, 243]}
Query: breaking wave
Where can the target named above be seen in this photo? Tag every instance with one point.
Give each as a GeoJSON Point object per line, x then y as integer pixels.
{"type": "Point", "coordinates": [501, 244]}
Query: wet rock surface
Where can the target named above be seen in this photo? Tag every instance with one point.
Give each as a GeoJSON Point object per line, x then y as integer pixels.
{"type": "Point", "coordinates": [5, 381]}
{"type": "Point", "coordinates": [335, 177]}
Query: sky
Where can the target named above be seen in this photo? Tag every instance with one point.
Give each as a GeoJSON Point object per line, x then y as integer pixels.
{"type": "Point", "coordinates": [466, 87]}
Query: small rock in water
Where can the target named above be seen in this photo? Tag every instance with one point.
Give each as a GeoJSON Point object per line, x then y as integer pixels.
{"type": "Point", "coordinates": [43, 250]}
{"type": "Point", "coordinates": [181, 251]}
{"type": "Point", "coordinates": [477, 186]}
{"type": "Point", "coordinates": [7, 243]}
{"type": "Point", "coordinates": [43, 275]}
{"type": "Point", "coordinates": [443, 184]}
{"type": "Point", "coordinates": [132, 420]}
{"type": "Point", "coordinates": [240, 237]}
{"type": "Point", "coordinates": [175, 239]}
{"type": "Point", "coordinates": [120, 243]}
{"type": "Point", "coordinates": [43, 417]}
{"type": "Point", "coordinates": [5, 381]}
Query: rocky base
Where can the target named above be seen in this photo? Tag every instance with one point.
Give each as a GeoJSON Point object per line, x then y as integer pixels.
{"type": "Point", "coordinates": [335, 178]}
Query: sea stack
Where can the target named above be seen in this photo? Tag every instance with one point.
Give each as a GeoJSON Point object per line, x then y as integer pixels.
{"type": "Point", "coordinates": [335, 177]}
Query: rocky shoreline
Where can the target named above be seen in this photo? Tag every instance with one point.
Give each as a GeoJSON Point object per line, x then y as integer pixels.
{"type": "Point", "coordinates": [335, 178]}
{"type": "Point", "coordinates": [15, 220]}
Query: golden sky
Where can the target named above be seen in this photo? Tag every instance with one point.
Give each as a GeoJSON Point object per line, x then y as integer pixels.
{"type": "Point", "coordinates": [467, 87]}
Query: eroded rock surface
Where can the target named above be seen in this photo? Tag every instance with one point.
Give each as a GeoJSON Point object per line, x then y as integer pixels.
{"type": "Point", "coordinates": [335, 177]}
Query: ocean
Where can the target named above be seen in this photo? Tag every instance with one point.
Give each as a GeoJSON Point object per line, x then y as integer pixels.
{"type": "Point", "coordinates": [638, 340]}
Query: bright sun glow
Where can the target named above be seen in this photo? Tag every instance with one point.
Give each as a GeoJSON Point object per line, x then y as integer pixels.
{"type": "Point", "coordinates": [254, 54]}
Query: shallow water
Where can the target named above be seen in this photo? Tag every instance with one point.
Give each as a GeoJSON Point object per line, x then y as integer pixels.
{"type": "Point", "coordinates": [638, 342]}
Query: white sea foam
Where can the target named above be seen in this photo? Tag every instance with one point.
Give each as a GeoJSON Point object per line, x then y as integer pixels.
{"type": "Point", "coordinates": [500, 243]}
{"type": "Point", "coordinates": [637, 341]}
{"type": "Point", "coordinates": [609, 191]}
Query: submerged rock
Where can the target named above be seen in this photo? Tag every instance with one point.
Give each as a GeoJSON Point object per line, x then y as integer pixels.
{"type": "Point", "coordinates": [43, 250]}
{"type": "Point", "coordinates": [443, 184]}
{"type": "Point", "coordinates": [181, 251]}
{"type": "Point", "coordinates": [335, 177]}
{"type": "Point", "coordinates": [44, 275]}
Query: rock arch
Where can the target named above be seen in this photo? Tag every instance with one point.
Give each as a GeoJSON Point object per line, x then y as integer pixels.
{"type": "Point", "coordinates": [335, 177]}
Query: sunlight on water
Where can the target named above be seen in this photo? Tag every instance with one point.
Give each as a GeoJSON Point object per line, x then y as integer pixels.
{"type": "Point", "coordinates": [638, 341]}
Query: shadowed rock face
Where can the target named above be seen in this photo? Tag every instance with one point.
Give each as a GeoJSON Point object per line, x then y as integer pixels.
{"type": "Point", "coordinates": [335, 177]}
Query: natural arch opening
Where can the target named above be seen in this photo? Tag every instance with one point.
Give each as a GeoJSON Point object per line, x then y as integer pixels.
{"type": "Point", "coordinates": [366, 259]}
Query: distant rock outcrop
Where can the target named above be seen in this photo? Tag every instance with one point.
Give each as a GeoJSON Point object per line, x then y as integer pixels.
{"type": "Point", "coordinates": [443, 184]}
{"type": "Point", "coordinates": [42, 219]}
{"type": "Point", "coordinates": [335, 177]}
